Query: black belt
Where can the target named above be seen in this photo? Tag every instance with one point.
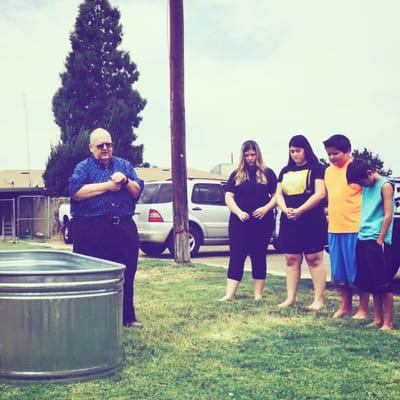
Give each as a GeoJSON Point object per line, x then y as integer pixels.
{"type": "Point", "coordinates": [115, 220]}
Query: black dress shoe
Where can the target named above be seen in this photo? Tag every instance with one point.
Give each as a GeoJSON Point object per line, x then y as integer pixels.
{"type": "Point", "coordinates": [133, 324]}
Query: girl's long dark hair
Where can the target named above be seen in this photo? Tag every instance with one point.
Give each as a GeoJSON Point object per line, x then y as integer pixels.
{"type": "Point", "coordinates": [302, 142]}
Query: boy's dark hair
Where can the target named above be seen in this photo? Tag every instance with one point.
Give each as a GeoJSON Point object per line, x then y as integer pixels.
{"type": "Point", "coordinates": [357, 171]}
{"type": "Point", "coordinates": [302, 142]}
{"type": "Point", "coordinates": [341, 142]}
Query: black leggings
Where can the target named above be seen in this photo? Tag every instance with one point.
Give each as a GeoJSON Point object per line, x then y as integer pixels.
{"type": "Point", "coordinates": [248, 238]}
{"type": "Point", "coordinates": [118, 243]}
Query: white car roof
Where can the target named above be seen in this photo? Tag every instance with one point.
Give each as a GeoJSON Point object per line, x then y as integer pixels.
{"type": "Point", "coordinates": [194, 180]}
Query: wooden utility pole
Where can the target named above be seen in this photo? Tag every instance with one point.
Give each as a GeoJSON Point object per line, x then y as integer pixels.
{"type": "Point", "coordinates": [178, 141]}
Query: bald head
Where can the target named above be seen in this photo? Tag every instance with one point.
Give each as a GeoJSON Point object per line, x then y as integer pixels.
{"type": "Point", "coordinates": [101, 145]}
{"type": "Point", "coordinates": [100, 135]}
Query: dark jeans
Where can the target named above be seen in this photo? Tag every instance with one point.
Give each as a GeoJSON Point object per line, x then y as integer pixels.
{"type": "Point", "coordinates": [113, 242]}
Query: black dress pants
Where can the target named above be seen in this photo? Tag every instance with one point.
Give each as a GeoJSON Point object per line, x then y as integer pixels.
{"type": "Point", "coordinates": [112, 242]}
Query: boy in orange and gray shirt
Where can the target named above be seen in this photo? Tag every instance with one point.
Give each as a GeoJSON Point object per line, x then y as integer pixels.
{"type": "Point", "coordinates": [344, 208]}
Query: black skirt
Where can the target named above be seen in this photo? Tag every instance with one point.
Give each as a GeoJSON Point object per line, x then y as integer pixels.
{"type": "Point", "coordinates": [308, 234]}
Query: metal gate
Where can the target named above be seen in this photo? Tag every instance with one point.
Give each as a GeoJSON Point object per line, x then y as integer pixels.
{"type": "Point", "coordinates": [7, 219]}
{"type": "Point", "coordinates": [33, 217]}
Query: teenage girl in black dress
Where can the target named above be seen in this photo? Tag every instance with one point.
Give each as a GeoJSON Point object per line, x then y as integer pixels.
{"type": "Point", "coordinates": [303, 228]}
{"type": "Point", "coordinates": [250, 196]}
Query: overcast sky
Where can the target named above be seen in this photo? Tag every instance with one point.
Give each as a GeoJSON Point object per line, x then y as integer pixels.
{"type": "Point", "coordinates": [255, 69]}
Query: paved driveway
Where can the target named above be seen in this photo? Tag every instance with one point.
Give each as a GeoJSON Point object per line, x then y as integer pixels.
{"type": "Point", "coordinates": [219, 256]}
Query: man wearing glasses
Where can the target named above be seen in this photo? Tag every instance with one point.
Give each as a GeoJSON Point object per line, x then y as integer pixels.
{"type": "Point", "coordinates": [104, 190]}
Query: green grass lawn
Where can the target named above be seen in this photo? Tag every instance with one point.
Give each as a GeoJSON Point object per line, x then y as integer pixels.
{"type": "Point", "coordinates": [193, 347]}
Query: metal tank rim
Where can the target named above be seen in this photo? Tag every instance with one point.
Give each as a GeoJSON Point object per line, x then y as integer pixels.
{"type": "Point", "coordinates": [109, 266]}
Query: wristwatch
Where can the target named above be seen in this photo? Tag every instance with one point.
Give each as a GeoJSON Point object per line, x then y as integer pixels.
{"type": "Point", "coordinates": [125, 182]}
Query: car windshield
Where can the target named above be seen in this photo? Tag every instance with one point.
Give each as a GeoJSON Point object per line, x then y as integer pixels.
{"type": "Point", "coordinates": [156, 193]}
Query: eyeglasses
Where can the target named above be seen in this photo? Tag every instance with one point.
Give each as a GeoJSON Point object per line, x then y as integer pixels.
{"type": "Point", "coordinates": [101, 145]}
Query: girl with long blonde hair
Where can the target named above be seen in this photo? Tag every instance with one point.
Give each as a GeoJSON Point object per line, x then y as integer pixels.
{"type": "Point", "coordinates": [242, 173]}
{"type": "Point", "coordinates": [250, 196]}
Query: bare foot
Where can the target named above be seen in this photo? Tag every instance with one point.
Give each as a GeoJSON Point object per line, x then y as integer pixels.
{"type": "Point", "coordinates": [315, 306]}
{"type": "Point", "coordinates": [226, 298]}
{"type": "Point", "coordinates": [375, 324]}
{"type": "Point", "coordinates": [386, 328]}
{"type": "Point", "coordinates": [286, 303]}
{"type": "Point", "coordinates": [360, 315]}
{"type": "Point", "coordinates": [342, 313]}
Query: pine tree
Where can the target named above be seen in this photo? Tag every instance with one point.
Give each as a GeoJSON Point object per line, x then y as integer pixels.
{"type": "Point", "coordinates": [96, 91]}
{"type": "Point", "coordinates": [62, 160]}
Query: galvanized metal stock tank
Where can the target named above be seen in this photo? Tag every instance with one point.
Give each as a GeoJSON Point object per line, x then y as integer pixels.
{"type": "Point", "coordinates": [60, 316]}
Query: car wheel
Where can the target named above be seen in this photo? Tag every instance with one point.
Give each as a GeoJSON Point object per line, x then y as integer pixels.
{"type": "Point", "coordinates": [194, 242]}
{"type": "Point", "coordinates": [152, 249]}
{"type": "Point", "coordinates": [67, 233]}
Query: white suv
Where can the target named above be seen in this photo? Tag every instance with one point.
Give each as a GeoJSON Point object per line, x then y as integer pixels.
{"type": "Point", "coordinates": [208, 215]}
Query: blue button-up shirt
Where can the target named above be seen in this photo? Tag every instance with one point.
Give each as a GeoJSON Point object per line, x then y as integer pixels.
{"type": "Point", "coordinates": [119, 203]}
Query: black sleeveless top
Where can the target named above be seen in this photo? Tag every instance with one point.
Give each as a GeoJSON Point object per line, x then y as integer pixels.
{"type": "Point", "coordinates": [250, 194]}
